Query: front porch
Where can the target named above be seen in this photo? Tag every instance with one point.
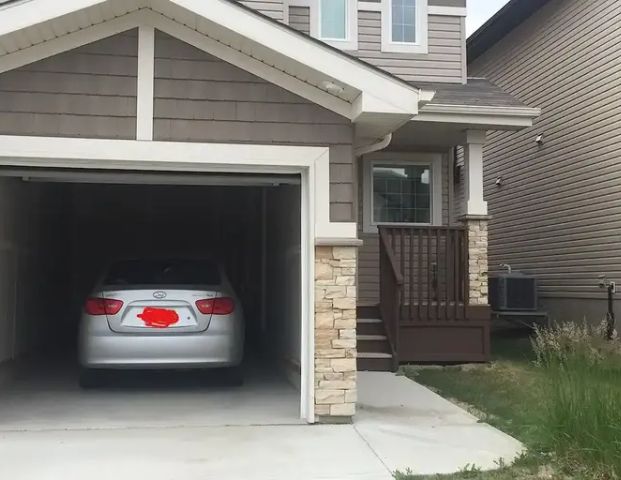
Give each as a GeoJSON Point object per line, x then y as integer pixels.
{"type": "Point", "coordinates": [425, 299]}
{"type": "Point", "coordinates": [423, 286]}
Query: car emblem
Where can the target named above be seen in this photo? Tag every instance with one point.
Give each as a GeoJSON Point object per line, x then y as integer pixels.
{"type": "Point", "coordinates": [159, 294]}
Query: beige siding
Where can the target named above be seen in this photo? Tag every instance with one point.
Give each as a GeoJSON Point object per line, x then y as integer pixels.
{"type": "Point", "coordinates": [87, 92]}
{"type": "Point", "coordinates": [299, 18]}
{"type": "Point", "coordinates": [445, 61]}
{"type": "Point", "coordinates": [368, 257]}
{"type": "Point", "coordinates": [558, 213]}
{"type": "Point", "coordinates": [201, 98]}
{"type": "Point", "coordinates": [271, 8]}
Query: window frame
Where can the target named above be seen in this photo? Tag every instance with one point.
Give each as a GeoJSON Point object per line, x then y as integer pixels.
{"type": "Point", "coordinates": [432, 160]}
{"type": "Point", "coordinates": [422, 26]}
{"type": "Point", "coordinates": [351, 25]}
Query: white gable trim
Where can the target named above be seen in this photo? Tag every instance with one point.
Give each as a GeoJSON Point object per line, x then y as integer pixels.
{"type": "Point", "coordinates": [400, 97]}
{"type": "Point", "coordinates": [146, 83]}
{"type": "Point", "coordinates": [299, 64]}
{"type": "Point", "coordinates": [79, 38]}
{"type": "Point", "coordinates": [251, 65]}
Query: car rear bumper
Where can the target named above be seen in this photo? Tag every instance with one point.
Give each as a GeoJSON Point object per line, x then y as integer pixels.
{"type": "Point", "coordinates": [216, 347]}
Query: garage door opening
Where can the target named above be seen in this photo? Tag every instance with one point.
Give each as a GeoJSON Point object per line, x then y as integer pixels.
{"type": "Point", "coordinates": [60, 232]}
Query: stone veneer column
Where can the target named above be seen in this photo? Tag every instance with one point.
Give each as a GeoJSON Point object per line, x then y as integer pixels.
{"type": "Point", "coordinates": [335, 333]}
{"type": "Point", "coordinates": [477, 259]}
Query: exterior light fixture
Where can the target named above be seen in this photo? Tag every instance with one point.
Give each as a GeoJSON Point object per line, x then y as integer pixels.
{"type": "Point", "coordinates": [331, 87]}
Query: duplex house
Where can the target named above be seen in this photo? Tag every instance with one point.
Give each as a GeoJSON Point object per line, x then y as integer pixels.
{"type": "Point", "coordinates": [554, 189]}
{"type": "Point", "coordinates": [308, 143]}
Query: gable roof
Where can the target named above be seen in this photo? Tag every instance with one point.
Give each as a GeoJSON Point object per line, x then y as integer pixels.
{"type": "Point", "coordinates": [375, 100]}
{"type": "Point", "coordinates": [501, 24]}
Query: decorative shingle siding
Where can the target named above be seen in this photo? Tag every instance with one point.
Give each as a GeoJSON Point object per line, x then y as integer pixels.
{"type": "Point", "coordinates": [86, 92]}
{"type": "Point", "coordinates": [199, 98]}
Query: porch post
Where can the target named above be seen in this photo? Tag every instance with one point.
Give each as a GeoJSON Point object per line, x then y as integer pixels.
{"type": "Point", "coordinates": [475, 218]}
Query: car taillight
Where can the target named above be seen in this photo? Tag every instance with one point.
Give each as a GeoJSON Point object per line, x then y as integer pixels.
{"type": "Point", "coordinates": [102, 306]}
{"type": "Point", "coordinates": [216, 306]}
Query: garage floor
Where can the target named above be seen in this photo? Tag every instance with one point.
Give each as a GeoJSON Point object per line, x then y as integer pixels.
{"type": "Point", "coordinates": [400, 425]}
{"type": "Point", "coordinates": [45, 396]}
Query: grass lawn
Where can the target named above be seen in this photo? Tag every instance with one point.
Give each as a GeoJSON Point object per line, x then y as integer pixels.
{"type": "Point", "coordinates": [506, 394]}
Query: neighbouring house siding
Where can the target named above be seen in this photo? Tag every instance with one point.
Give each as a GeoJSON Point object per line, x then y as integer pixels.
{"type": "Point", "coordinates": [201, 98]}
{"type": "Point", "coordinates": [558, 212]}
{"type": "Point", "coordinates": [86, 92]}
{"type": "Point", "coordinates": [368, 253]}
{"type": "Point", "coordinates": [445, 61]}
{"type": "Point", "coordinates": [271, 8]}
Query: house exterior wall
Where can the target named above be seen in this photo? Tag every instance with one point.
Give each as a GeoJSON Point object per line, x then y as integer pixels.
{"type": "Point", "coordinates": [86, 92]}
{"type": "Point", "coordinates": [201, 98]}
{"type": "Point", "coordinates": [558, 212]}
{"type": "Point", "coordinates": [368, 255]}
{"type": "Point", "coordinates": [272, 8]}
{"type": "Point", "coordinates": [445, 61]}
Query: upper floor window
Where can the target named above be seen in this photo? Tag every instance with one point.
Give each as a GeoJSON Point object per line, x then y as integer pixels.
{"type": "Point", "coordinates": [335, 22]}
{"type": "Point", "coordinates": [404, 26]}
{"type": "Point", "coordinates": [333, 19]}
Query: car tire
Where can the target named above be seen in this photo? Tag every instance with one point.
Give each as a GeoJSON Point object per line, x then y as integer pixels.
{"type": "Point", "coordinates": [88, 379]}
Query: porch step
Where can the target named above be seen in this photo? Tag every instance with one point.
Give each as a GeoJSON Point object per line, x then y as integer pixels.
{"type": "Point", "coordinates": [370, 326]}
{"type": "Point", "coordinates": [373, 343]}
{"type": "Point", "coordinates": [373, 346]}
{"type": "Point", "coordinates": [374, 362]}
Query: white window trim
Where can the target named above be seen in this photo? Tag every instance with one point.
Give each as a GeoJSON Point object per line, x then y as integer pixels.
{"type": "Point", "coordinates": [422, 36]}
{"type": "Point", "coordinates": [434, 160]}
{"type": "Point", "coordinates": [351, 29]}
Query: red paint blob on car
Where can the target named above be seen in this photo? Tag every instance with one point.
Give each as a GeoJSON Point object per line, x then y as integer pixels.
{"type": "Point", "coordinates": [158, 317]}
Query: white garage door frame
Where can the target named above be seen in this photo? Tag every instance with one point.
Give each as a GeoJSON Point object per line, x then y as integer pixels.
{"type": "Point", "coordinates": [311, 163]}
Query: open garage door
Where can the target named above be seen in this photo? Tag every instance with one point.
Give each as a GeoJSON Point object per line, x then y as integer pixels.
{"type": "Point", "coordinates": [63, 228]}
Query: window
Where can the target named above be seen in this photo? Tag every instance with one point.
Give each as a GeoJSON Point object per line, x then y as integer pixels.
{"type": "Point", "coordinates": [335, 22]}
{"type": "Point", "coordinates": [404, 26]}
{"type": "Point", "coordinates": [401, 193]}
{"type": "Point", "coordinates": [402, 189]}
{"type": "Point", "coordinates": [333, 19]}
{"type": "Point", "coordinates": [403, 21]}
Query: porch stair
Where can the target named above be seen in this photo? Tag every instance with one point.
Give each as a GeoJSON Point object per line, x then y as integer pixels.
{"type": "Point", "coordinates": [373, 347]}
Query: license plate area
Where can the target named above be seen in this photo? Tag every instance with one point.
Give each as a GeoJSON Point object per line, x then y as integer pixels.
{"type": "Point", "coordinates": [159, 318]}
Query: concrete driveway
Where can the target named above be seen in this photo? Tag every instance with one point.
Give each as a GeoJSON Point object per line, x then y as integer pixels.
{"type": "Point", "coordinates": [400, 425]}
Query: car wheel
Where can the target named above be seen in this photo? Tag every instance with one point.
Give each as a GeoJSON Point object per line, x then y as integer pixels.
{"type": "Point", "coordinates": [88, 378]}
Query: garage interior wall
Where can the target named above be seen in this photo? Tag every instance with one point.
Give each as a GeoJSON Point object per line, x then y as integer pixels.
{"type": "Point", "coordinates": [284, 277]}
{"type": "Point", "coordinates": [57, 237]}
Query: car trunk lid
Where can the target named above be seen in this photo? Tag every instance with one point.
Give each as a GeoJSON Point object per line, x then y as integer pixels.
{"type": "Point", "coordinates": [159, 309]}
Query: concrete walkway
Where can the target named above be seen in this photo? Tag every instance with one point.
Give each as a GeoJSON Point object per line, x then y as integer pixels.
{"type": "Point", "coordinates": [400, 425]}
{"type": "Point", "coordinates": [409, 426]}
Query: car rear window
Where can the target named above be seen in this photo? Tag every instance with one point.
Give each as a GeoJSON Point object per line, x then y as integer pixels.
{"type": "Point", "coordinates": [163, 272]}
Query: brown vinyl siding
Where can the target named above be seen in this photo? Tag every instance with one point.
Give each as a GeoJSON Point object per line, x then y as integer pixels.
{"type": "Point", "coordinates": [86, 92]}
{"type": "Point", "coordinates": [272, 8]}
{"type": "Point", "coordinates": [199, 98]}
{"type": "Point", "coordinates": [445, 61]}
{"type": "Point", "coordinates": [368, 254]}
{"type": "Point", "coordinates": [558, 213]}
{"type": "Point", "coordinates": [299, 18]}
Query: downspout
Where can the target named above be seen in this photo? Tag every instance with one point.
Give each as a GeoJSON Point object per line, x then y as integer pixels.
{"type": "Point", "coordinates": [374, 147]}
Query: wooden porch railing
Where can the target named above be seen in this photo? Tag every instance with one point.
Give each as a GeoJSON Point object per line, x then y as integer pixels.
{"type": "Point", "coordinates": [391, 294]}
{"type": "Point", "coordinates": [423, 277]}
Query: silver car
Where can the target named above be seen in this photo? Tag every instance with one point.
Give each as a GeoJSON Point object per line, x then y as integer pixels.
{"type": "Point", "coordinates": [155, 313]}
